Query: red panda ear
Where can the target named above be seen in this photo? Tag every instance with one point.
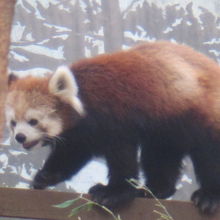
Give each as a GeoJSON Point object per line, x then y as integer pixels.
{"type": "Point", "coordinates": [63, 85]}
{"type": "Point", "coordinates": [11, 78]}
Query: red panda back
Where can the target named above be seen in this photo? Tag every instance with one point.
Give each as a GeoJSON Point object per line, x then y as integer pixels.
{"type": "Point", "coordinates": [162, 79]}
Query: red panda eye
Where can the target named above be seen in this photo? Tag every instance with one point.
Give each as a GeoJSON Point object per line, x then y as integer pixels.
{"type": "Point", "coordinates": [33, 122]}
{"type": "Point", "coordinates": [13, 123]}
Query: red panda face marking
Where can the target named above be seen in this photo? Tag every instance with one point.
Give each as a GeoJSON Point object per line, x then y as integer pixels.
{"type": "Point", "coordinates": [40, 109]}
{"type": "Point", "coordinates": [37, 125]}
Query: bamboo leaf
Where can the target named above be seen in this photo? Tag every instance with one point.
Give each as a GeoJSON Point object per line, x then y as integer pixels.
{"type": "Point", "coordinates": [76, 210]}
{"type": "Point", "coordinates": [90, 206]}
{"type": "Point", "coordinates": [67, 203]}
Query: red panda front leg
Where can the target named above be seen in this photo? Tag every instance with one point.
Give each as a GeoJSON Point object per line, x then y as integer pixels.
{"type": "Point", "coordinates": [122, 164]}
{"type": "Point", "coordinates": [206, 159]}
{"type": "Point", "coordinates": [62, 164]}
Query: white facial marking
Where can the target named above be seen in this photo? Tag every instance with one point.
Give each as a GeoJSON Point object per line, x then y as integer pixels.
{"type": "Point", "coordinates": [49, 124]}
{"type": "Point", "coordinates": [52, 124]}
{"type": "Point", "coordinates": [9, 115]}
{"type": "Point", "coordinates": [31, 133]}
{"type": "Point", "coordinates": [34, 113]}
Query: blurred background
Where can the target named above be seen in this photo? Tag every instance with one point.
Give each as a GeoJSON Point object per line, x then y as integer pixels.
{"type": "Point", "coordinates": [49, 33]}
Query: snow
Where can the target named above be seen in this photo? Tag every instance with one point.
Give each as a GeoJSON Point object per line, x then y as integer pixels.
{"type": "Point", "coordinates": [88, 177]}
{"type": "Point", "coordinates": [17, 32]}
{"type": "Point", "coordinates": [57, 27]}
{"type": "Point", "coordinates": [18, 57]}
{"type": "Point", "coordinates": [41, 50]}
{"type": "Point", "coordinates": [32, 71]}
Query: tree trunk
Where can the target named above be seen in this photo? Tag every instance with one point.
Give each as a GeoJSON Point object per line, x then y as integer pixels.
{"type": "Point", "coordinates": [6, 14]}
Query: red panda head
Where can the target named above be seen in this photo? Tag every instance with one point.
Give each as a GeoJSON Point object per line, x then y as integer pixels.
{"type": "Point", "coordinates": [39, 109]}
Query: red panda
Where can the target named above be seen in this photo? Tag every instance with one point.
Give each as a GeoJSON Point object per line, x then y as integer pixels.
{"type": "Point", "coordinates": [161, 97]}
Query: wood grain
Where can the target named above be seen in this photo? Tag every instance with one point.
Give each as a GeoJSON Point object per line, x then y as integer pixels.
{"type": "Point", "coordinates": [38, 204]}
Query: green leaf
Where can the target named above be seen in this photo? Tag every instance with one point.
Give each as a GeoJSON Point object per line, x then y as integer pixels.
{"type": "Point", "coordinates": [66, 203]}
{"type": "Point", "coordinates": [90, 206]}
{"type": "Point", "coordinates": [76, 210]}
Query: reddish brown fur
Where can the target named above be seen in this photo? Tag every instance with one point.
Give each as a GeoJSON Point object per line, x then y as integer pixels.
{"type": "Point", "coordinates": [33, 92]}
{"type": "Point", "coordinates": [146, 72]}
{"type": "Point", "coordinates": [31, 83]}
{"type": "Point", "coordinates": [162, 97]}
{"type": "Point", "coordinates": [161, 79]}
{"type": "Point", "coordinates": [172, 78]}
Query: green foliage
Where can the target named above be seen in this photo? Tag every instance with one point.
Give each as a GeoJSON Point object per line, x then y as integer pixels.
{"type": "Point", "coordinates": [89, 204]}
{"type": "Point", "coordinates": [164, 215]}
{"type": "Point", "coordinates": [66, 204]}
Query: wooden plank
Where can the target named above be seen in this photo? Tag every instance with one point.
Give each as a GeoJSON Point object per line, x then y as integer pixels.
{"type": "Point", "coordinates": [38, 204]}
{"type": "Point", "coordinates": [6, 12]}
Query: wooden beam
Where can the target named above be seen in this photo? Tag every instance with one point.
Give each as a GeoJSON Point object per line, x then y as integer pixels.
{"type": "Point", "coordinates": [38, 204]}
{"type": "Point", "coordinates": [6, 15]}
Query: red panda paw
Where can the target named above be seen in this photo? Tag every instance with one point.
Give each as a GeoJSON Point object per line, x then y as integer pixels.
{"type": "Point", "coordinates": [112, 197]}
{"type": "Point", "coordinates": [44, 179]}
{"type": "Point", "coordinates": [206, 201]}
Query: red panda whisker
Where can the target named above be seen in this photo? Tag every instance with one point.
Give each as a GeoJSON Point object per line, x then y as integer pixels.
{"type": "Point", "coordinates": [55, 138]}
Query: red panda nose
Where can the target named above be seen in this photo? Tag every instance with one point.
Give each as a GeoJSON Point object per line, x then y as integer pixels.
{"type": "Point", "coordinates": [20, 138]}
